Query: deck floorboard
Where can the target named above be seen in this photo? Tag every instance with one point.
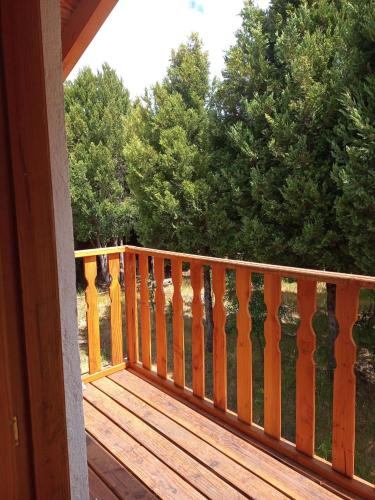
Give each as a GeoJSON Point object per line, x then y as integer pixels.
{"type": "Point", "coordinates": [175, 452]}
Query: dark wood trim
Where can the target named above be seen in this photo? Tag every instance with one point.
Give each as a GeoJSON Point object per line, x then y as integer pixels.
{"type": "Point", "coordinates": [81, 28]}
{"type": "Point", "coordinates": [31, 158]}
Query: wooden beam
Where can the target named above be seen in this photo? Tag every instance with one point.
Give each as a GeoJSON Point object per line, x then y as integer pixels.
{"type": "Point", "coordinates": [41, 236]}
{"type": "Point", "coordinates": [81, 28]}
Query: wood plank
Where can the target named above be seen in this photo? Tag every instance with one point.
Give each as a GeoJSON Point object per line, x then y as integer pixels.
{"type": "Point", "coordinates": [103, 373]}
{"type": "Point", "coordinates": [151, 471]}
{"type": "Point", "coordinates": [92, 315]}
{"type": "Point", "coordinates": [256, 267]}
{"type": "Point", "coordinates": [145, 311]}
{"type": "Point", "coordinates": [136, 423]}
{"type": "Point", "coordinates": [160, 324]}
{"type": "Point", "coordinates": [81, 28]}
{"type": "Point", "coordinates": [114, 474]}
{"type": "Point", "coordinates": [78, 254]}
{"type": "Point", "coordinates": [131, 307]}
{"type": "Point", "coordinates": [178, 325]}
{"type": "Point", "coordinates": [207, 482]}
{"type": "Point", "coordinates": [244, 348]}
{"type": "Point", "coordinates": [197, 337]}
{"type": "Point", "coordinates": [273, 471]}
{"type": "Point", "coordinates": [272, 357]}
{"type": "Point", "coordinates": [305, 368]}
{"type": "Point", "coordinates": [317, 469]}
{"type": "Point", "coordinates": [116, 316]}
{"type": "Point", "coordinates": [98, 489]}
{"type": "Point", "coordinates": [344, 383]}
{"type": "Point", "coordinates": [220, 341]}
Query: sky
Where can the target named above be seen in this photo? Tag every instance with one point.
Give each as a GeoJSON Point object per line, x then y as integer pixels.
{"type": "Point", "coordinates": [138, 35]}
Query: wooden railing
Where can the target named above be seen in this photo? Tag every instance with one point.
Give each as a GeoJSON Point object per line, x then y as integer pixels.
{"type": "Point", "coordinates": [341, 471]}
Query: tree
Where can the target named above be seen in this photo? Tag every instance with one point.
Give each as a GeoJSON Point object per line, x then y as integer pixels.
{"type": "Point", "coordinates": [167, 154]}
{"type": "Point", "coordinates": [280, 104]}
{"type": "Point", "coordinates": [354, 149]}
{"type": "Point", "coordinates": [95, 105]}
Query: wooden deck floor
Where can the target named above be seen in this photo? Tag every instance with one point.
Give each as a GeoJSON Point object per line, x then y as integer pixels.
{"type": "Point", "coordinates": [143, 442]}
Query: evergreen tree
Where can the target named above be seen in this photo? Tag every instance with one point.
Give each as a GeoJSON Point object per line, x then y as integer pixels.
{"type": "Point", "coordinates": [95, 106]}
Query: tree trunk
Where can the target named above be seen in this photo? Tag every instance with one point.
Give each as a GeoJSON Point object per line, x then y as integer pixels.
{"type": "Point", "coordinates": [333, 325]}
{"type": "Point", "coordinates": [208, 309]}
{"type": "Point", "coordinates": [103, 265]}
{"type": "Point", "coordinates": [122, 268]}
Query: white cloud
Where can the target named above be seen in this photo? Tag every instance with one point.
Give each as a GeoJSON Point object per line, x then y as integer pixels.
{"type": "Point", "coordinates": [138, 36]}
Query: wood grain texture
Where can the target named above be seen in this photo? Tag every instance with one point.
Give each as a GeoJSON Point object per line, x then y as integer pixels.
{"type": "Point", "coordinates": [344, 384]}
{"type": "Point", "coordinates": [305, 368]}
{"type": "Point", "coordinates": [244, 348]}
{"type": "Point", "coordinates": [151, 471]}
{"type": "Point", "coordinates": [249, 455]}
{"type": "Point", "coordinates": [197, 337]}
{"type": "Point", "coordinates": [131, 307]}
{"type": "Point", "coordinates": [220, 341]}
{"type": "Point", "coordinates": [272, 356]}
{"type": "Point", "coordinates": [116, 316]}
{"type": "Point", "coordinates": [113, 474]}
{"type": "Point", "coordinates": [166, 440]}
{"type": "Point", "coordinates": [178, 325]}
{"type": "Point", "coordinates": [98, 490]}
{"type": "Point", "coordinates": [256, 267]}
{"type": "Point", "coordinates": [160, 323]}
{"type": "Point", "coordinates": [80, 28]}
{"type": "Point", "coordinates": [92, 315]}
{"type": "Point", "coordinates": [145, 311]}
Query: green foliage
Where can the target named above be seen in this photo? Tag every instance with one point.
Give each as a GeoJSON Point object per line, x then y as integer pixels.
{"type": "Point", "coordinates": [95, 106]}
{"type": "Point", "coordinates": [168, 157]}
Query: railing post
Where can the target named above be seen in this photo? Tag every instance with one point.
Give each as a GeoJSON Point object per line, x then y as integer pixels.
{"type": "Point", "coordinates": [92, 314]}
{"type": "Point", "coordinates": [344, 383]}
{"type": "Point", "coordinates": [131, 307]}
{"type": "Point", "coordinates": [160, 324]}
{"type": "Point", "coordinates": [116, 319]}
{"type": "Point", "coordinates": [272, 356]}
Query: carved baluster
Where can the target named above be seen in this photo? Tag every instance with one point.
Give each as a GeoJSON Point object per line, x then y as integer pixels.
{"type": "Point", "coordinates": [92, 314]}
{"type": "Point", "coordinates": [244, 350]}
{"type": "Point", "coordinates": [160, 324]}
{"type": "Point", "coordinates": [344, 385]}
{"type": "Point", "coordinates": [272, 356]}
{"type": "Point", "coordinates": [116, 319]}
{"type": "Point", "coordinates": [305, 369]}
{"type": "Point", "coordinates": [219, 341]}
{"type": "Point", "coordinates": [198, 359]}
{"type": "Point", "coordinates": [145, 312]}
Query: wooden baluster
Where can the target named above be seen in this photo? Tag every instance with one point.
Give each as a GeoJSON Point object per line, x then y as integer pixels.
{"type": "Point", "coordinates": [145, 312]}
{"type": "Point", "coordinates": [178, 325]}
{"type": "Point", "coordinates": [116, 318]}
{"type": "Point", "coordinates": [244, 351]}
{"type": "Point", "coordinates": [197, 333]}
{"type": "Point", "coordinates": [305, 369]}
{"type": "Point", "coordinates": [160, 324]}
{"type": "Point", "coordinates": [131, 307]}
{"type": "Point", "coordinates": [219, 341]}
{"type": "Point", "coordinates": [272, 356]}
{"type": "Point", "coordinates": [92, 315]}
{"type": "Point", "coordinates": [344, 384]}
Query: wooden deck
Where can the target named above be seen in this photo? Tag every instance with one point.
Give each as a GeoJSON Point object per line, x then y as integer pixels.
{"type": "Point", "coordinates": [143, 442]}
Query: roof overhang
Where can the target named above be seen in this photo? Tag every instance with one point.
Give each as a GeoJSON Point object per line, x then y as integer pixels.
{"type": "Point", "coordinates": [80, 22]}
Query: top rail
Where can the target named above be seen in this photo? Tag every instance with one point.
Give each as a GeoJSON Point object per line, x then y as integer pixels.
{"type": "Point", "coordinates": [285, 271]}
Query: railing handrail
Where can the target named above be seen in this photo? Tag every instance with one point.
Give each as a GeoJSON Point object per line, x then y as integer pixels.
{"type": "Point", "coordinates": [285, 271]}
